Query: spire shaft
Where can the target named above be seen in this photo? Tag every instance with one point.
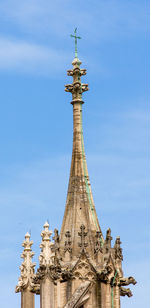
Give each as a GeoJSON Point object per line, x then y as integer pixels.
{"type": "Point", "coordinates": [80, 209]}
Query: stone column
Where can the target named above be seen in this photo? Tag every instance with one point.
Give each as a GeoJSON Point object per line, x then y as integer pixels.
{"type": "Point", "coordinates": [116, 297]}
{"type": "Point", "coordinates": [108, 296]}
{"type": "Point", "coordinates": [27, 299]}
{"type": "Point", "coordinates": [25, 284]}
{"type": "Point", "coordinates": [46, 271]}
{"type": "Point", "coordinates": [47, 293]}
{"type": "Point", "coordinates": [103, 294]}
{"type": "Point", "coordinates": [58, 295]}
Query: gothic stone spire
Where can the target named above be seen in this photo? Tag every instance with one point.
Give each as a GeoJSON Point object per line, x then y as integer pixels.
{"type": "Point", "coordinates": [80, 207]}
{"type": "Point", "coordinates": [79, 267]}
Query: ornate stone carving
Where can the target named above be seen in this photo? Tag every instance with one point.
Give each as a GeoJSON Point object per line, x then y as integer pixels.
{"type": "Point", "coordinates": [108, 240]}
{"type": "Point", "coordinates": [27, 266]}
{"type": "Point", "coordinates": [82, 234]}
{"type": "Point", "coordinates": [56, 239]}
{"type": "Point", "coordinates": [80, 71]}
{"type": "Point", "coordinates": [104, 275]}
{"type": "Point", "coordinates": [98, 244]}
{"type": "Point", "coordinates": [124, 292]}
{"type": "Point", "coordinates": [49, 261]}
{"type": "Point", "coordinates": [56, 247]}
{"type": "Point", "coordinates": [107, 246]}
{"type": "Point", "coordinates": [85, 87]}
{"type": "Point", "coordinates": [70, 72]}
{"type": "Point", "coordinates": [66, 274]}
{"type": "Point", "coordinates": [83, 269]}
{"type": "Point", "coordinates": [118, 249]}
{"type": "Point", "coordinates": [47, 271]}
{"type": "Point", "coordinates": [126, 281]}
{"type": "Point", "coordinates": [68, 87]}
{"type": "Point", "coordinates": [83, 71]}
{"type": "Point", "coordinates": [76, 88]}
{"type": "Point", "coordinates": [46, 256]}
{"type": "Point", "coordinates": [68, 242]}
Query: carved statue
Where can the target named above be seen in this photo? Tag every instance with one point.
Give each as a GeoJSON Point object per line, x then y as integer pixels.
{"type": "Point", "coordinates": [98, 243]}
{"type": "Point", "coordinates": [118, 249]}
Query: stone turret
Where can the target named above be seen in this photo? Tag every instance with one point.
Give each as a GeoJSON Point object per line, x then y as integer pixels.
{"type": "Point", "coordinates": [25, 283]}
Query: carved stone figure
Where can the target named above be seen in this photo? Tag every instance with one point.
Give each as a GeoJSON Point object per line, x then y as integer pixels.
{"type": "Point", "coordinates": [118, 249]}
{"type": "Point", "coordinates": [98, 242]}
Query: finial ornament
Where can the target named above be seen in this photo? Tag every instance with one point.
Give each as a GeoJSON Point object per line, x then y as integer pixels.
{"type": "Point", "coordinates": [27, 266]}
{"type": "Point", "coordinates": [46, 255]}
{"type": "Point", "coordinates": [76, 38]}
{"type": "Point", "coordinates": [77, 87]}
{"type": "Point", "coordinates": [49, 256]}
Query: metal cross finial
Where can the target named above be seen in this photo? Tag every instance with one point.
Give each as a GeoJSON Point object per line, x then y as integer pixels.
{"type": "Point", "coordinates": [76, 37]}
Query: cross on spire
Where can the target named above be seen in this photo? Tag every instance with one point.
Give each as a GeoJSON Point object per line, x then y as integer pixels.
{"type": "Point", "coordinates": [82, 234]}
{"type": "Point", "coordinates": [75, 37]}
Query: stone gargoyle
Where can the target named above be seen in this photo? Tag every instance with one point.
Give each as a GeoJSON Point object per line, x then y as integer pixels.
{"type": "Point", "coordinates": [124, 292]}
{"type": "Point", "coordinates": [126, 281]}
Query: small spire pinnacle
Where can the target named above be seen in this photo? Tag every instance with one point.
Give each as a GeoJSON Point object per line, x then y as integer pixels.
{"type": "Point", "coordinates": [46, 254]}
{"type": "Point", "coordinates": [27, 266]}
{"type": "Point", "coordinates": [76, 38]}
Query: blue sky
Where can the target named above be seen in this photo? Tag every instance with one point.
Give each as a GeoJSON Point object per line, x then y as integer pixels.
{"type": "Point", "coordinates": [36, 126]}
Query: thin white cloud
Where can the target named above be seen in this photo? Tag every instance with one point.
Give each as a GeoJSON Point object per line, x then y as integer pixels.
{"type": "Point", "coordinates": [99, 19]}
{"type": "Point", "coordinates": [51, 21]}
{"type": "Point", "coordinates": [24, 56]}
